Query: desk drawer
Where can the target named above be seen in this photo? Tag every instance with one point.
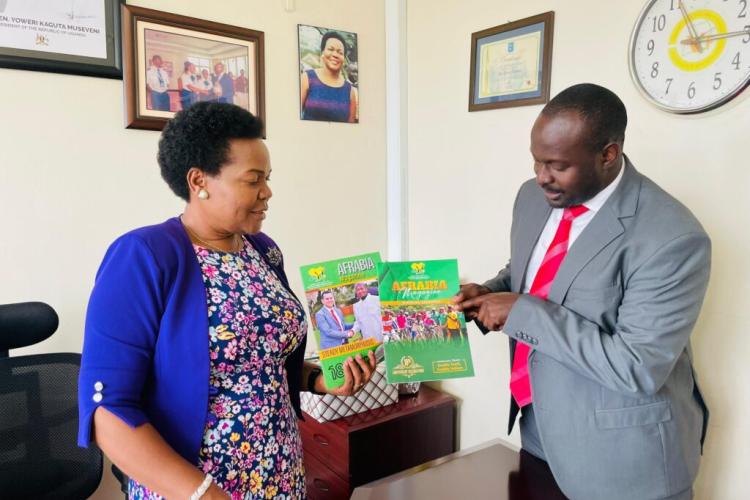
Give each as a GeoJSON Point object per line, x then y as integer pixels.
{"type": "Point", "coordinates": [322, 483]}
{"type": "Point", "coordinates": [327, 445]}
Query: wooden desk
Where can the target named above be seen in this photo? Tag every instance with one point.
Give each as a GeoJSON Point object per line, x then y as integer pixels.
{"type": "Point", "coordinates": [355, 450]}
{"type": "Point", "coordinates": [492, 470]}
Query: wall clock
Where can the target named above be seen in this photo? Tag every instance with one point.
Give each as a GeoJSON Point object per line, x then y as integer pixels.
{"type": "Point", "coordinates": [688, 56]}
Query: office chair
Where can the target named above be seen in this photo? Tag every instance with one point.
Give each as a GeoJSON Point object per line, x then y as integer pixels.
{"type": "Point", "coordinates": [39, 458]}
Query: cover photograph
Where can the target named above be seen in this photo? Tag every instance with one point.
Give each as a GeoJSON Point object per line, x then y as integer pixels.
{"type": "Point", "coordinates": [425, 337]}
{"type": "Point", "coordinates": [342, 297]}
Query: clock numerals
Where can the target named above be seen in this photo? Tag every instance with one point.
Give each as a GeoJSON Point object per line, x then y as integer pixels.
{"type": "Point", "coordinates": [659, 23]}
{"type": "Point", "coordinates": [691, 58]}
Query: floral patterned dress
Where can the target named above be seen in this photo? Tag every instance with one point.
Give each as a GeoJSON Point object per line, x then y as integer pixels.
{"type": "Point", "coordinates": [251, 443]}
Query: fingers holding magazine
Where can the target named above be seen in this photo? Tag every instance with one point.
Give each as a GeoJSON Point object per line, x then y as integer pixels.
{"type": "Point", "coordinates": [358, 371]}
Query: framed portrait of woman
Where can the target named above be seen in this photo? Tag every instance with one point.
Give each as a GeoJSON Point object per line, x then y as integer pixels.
{"type": "Point", "coordinates": [329, 75]}
{"type": "Point", "coordinates": [173, 61]}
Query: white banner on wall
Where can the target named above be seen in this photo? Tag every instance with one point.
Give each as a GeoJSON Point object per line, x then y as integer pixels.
{"type": "Point", "coordinates": [74, 27]}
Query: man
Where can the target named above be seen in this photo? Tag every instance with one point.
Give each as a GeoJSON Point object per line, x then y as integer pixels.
{"type": "Point", "coordinates": [606, 278]}
{"type": "Point", "coordinates": [241, 90]}
{"type": "Point", "coordinates": [452, 325]}
{"type": "Point", "coordinates": [223, 84]}
{"type": "Point", "coordinates": [157, 81]}
{"type": "Point", "coordinates": [367, 318]}
{"type": "Point", "coordinates": [330, 320]}
{"type": "Point", "coordinates": [206, 85]}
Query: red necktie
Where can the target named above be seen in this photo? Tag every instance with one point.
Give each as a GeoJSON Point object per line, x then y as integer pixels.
{"type": "Point", "coordinates": [338, 321]}
{"type": "Point", "coordinates": [520, 385]}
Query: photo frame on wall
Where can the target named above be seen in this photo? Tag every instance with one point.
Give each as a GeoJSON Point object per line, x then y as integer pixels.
{"type": "Point", "coordinates": [173, 61]}
{"type": "Point", "coordinates": [329, 74]}
{"type": "Point", "coordinates": [511, 64]}
{"type": "Point", "coordinates": [79, 37]}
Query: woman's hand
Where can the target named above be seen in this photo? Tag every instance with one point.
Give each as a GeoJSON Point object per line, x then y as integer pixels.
{"type": "Point", "coordinates": [357, 372]}
{"type": "Point", "coordinates": [215, 493]}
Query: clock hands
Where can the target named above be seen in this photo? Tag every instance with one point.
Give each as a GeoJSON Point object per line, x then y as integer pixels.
{"type": "Point", "coordinates": [718, 36]}
{"type": "Point", "coordinates": [693, 40]}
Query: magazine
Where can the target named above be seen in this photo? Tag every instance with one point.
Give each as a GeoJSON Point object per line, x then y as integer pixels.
{"type": "Point", "coordinates": [342, 297]}
{"type": "Point", "coordinates": [425, 336]}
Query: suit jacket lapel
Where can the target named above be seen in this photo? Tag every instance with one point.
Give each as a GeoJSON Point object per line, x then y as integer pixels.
{"type": "Point", "coordinates": [534, 221]}
{"type": "Point", "coordinates": [603, 228]}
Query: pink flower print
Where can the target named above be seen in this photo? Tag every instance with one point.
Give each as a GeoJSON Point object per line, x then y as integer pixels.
{"type": "Point", "coordinates": [230, 351]}
{"type": "Point", "coordinates": [225, 426]}
{"type": "Point", "coordinates": [210, 271]}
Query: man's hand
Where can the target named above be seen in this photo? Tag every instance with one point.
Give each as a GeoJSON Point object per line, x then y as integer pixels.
{"type": "Point", "coordinates": [467, 292]}
{"type": "Point", "coordinates": [492, 308]}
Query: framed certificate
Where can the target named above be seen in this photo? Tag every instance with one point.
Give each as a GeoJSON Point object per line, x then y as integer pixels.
{"type": "Point", "coordinates": [79, 37]}
{"type": "Point", "coordinates": [511, 63]}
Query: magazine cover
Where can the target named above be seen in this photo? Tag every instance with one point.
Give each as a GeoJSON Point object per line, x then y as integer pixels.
{"type": "Point", "coordinates": [342, 297]}
{"type": "Point", "coordinates": [425, 337]}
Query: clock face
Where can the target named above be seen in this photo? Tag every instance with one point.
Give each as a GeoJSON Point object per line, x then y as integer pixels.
{"type": "Point", "coordinates": [688, 56]}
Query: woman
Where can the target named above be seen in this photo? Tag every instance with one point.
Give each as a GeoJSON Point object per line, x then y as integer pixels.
{"type": "Point", "coordinates": [325, 94]}
{"type": "Point", "coordinates": [193, 352]}
{"type": "Point", "coordinates": [189, 86]}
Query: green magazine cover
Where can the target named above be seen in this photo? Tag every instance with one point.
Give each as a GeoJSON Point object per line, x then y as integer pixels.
{"type": "Point", "coordinates": [342, 297]}
{"type": "Point", "coordinates": [425, 337]}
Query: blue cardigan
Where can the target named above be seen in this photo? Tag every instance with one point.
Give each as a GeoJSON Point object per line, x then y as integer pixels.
{"type": "Point", "coordinates": [145, 349]}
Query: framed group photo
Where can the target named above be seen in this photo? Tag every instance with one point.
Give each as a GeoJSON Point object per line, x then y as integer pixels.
{"type": "Point", "coordinates": [329, 75]}
{"type": "Point", "coordinates": [511, 64]}
{"type": "Point", "coordinates": [80, 37]}
{"type": "Point", "coordinates": [173, 61]}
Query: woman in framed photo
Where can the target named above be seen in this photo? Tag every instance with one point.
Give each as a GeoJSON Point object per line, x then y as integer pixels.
{"type": "Point", "coordinates": [326, 94]}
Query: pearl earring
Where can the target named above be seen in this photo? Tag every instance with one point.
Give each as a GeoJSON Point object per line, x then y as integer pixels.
{"type": "Point", "coordinates": [203, 194]}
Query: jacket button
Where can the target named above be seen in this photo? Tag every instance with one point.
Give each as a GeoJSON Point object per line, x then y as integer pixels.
{"type": "Point", "coordinates": [98, 386]}
{"type": "Point", "coordinates": [97, 397]}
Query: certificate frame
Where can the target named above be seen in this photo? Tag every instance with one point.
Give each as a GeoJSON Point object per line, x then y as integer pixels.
{"type": "Point", "coordinates": [109, 66]}
{"type": "Point", "coordinates": [511, 64]}
{"type": "Point", "coordinates": [146, 32]}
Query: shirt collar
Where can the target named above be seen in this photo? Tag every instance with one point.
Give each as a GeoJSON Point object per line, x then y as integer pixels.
{"type": "Point", "coordinates": [595, 203]}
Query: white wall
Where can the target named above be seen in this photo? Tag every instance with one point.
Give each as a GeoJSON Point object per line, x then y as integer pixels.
{"type": "Point", "coordinates": [465, 169]}
{"type": "Point", "coordinates": [72, 177]}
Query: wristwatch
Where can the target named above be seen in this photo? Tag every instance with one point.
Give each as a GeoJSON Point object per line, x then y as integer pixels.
{"type": "Point", "coordinates": [311, 378]}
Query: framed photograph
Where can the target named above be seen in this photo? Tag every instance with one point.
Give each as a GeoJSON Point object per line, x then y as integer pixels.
{"type": "Point", "coordinates": [511, 64]}
{"type": "Point", "coordinates": [329, 75]}
{"type": "Point", "coordinates": [173, 61]}
{"type": "Point", "coordinates": [80, 37]}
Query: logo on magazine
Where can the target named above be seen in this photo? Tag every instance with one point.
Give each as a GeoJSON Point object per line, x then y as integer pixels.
{"type": "Point", "coordinates": [408, 367]}
{"type": "Point", "coordinates": [317, 273]}
{"type": "Point", "coordinates": [417, 267]}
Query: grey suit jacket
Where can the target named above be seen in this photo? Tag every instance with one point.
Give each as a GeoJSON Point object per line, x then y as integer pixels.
{"type": "Point", "coordinates": [617, 407]}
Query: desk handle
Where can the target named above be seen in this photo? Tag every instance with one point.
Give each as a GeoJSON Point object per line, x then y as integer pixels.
{"type": "Point", "coordinates": [320, 484]}
{"type": "Point", "coordinates": [321, 439]}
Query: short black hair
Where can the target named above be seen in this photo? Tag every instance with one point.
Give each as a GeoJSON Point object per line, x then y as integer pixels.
{"type": "Point", "coordinates": [336, 35]}
{"type": "Point", "coordinates": [601, 109]}
{"type": "Point", "coordinates": [199, 137]}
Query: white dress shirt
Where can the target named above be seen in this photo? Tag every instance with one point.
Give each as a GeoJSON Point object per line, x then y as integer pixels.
{"type": "Point", "coordinates": [157, 79]}
{"type": "Point", "coordinates": [579, 223]}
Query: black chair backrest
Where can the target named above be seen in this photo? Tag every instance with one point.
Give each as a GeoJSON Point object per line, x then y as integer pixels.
{"type": "Point", "coordinates": [25, 324]}
{"type": "Point", "coordinates": [39, 457]}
